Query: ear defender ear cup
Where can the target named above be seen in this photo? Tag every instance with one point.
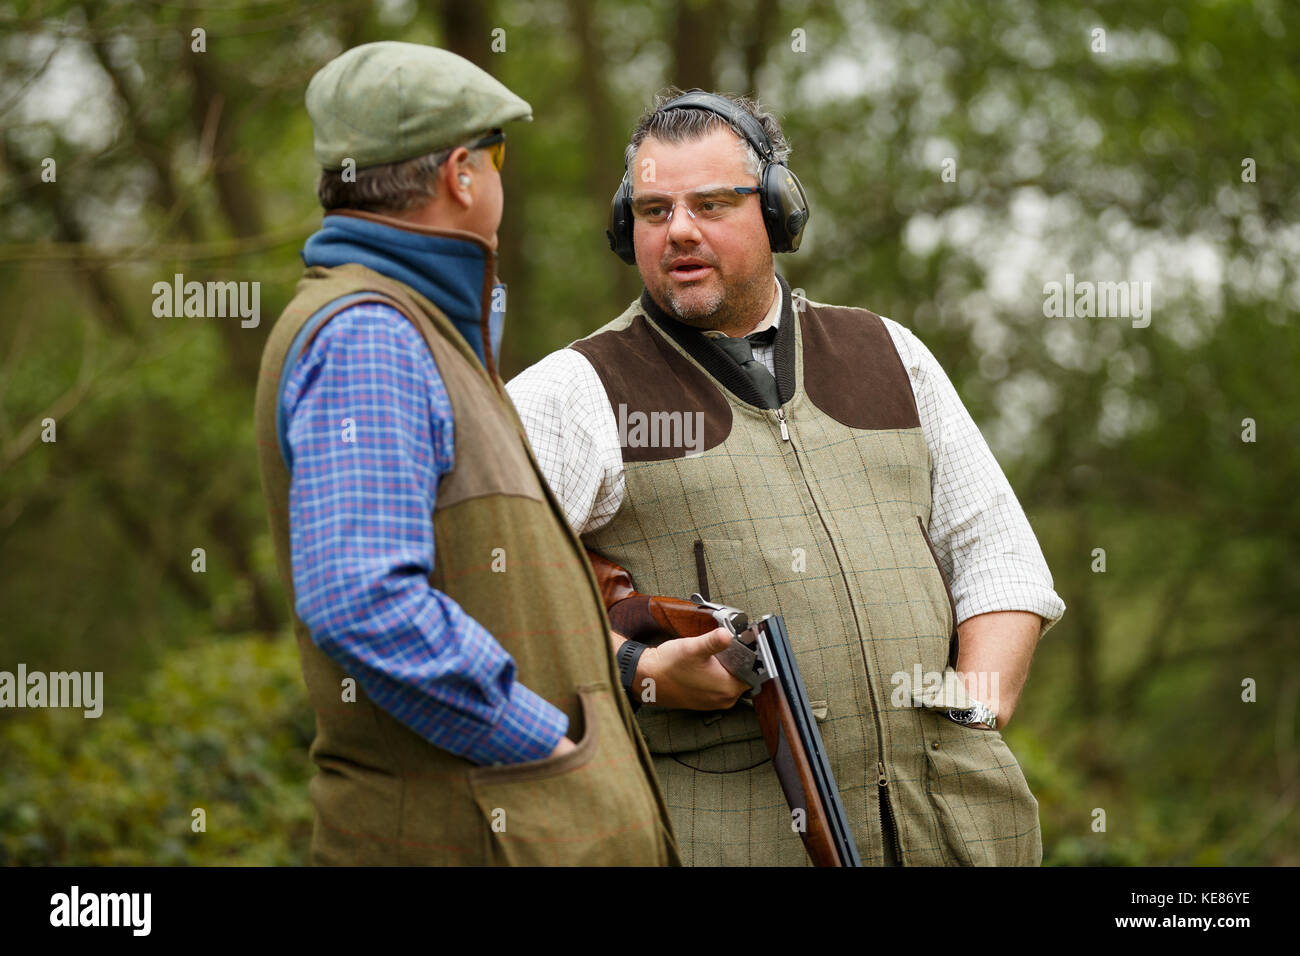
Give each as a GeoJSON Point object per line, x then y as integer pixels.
{"type": "Point", "coordinates": [785, 208]}
{"type": "Point", "coordinates": [619, 232]}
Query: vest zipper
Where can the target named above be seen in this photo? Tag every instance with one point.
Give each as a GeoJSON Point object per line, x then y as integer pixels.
{"type": "Point", "coordinates": [889, 832]}
{"type": "Point", "coordinates": [887, 828]}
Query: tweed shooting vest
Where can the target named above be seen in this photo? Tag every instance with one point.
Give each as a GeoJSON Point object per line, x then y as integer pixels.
{"type": "Point", "coordinates": [817, 511]}
{"type": "Point", "coordinates": [384, 794]}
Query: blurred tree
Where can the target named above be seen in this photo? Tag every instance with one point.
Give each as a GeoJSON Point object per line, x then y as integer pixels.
{"type": "Point", "coordinates": [958, 159]}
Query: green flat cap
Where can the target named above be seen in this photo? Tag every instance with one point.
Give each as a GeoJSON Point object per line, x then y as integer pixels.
{"type": "Point", "coordinates": [387, 102]}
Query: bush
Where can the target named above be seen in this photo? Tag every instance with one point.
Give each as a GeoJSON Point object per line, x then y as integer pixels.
{"type": "Point", "coordinates": [223, 727]}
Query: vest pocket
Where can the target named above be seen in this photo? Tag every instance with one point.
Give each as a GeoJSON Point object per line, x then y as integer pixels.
{"type": "Point", "coordinates": [590, 807]}
{"type": "Point", "coordinates": [986, 812]}
{"type": "Point", "coordinates": [534, 770]}
{"type": "Point", "coordinates": [718, 567]}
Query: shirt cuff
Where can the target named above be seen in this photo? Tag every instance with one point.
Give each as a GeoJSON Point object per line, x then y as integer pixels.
{"type": "Point", "coordinates": [528, 728]}
{"type": "Point", "coordinates": [1036, 599]}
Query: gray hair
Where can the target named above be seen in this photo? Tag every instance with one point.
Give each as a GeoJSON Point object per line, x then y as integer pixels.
{"type": "Point", "coordinates": [390, 187]}
{"type": "Point", "coordinates": [683, 125]}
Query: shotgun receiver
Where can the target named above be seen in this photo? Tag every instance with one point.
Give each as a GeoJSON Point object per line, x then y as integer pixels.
{"type": "Point", "coordinates": [760, 655]}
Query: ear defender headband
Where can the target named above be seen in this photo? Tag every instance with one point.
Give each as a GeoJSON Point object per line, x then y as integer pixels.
{"type": "Point", "coordinates": [785, 208]}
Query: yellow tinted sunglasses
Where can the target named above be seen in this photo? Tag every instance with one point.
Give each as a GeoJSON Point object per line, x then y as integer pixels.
{"type": "Point", "coordinates": [495, 142]}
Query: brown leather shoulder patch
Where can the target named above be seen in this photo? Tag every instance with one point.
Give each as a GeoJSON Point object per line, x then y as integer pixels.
{"type": "Point", "coordinates": [665, 406]}
{"type": "Point", "coordinates": [851, 370]}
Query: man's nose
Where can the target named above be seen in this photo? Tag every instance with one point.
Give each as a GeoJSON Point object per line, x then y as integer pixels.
{"type": "Point", "coordinates": [681, 224]}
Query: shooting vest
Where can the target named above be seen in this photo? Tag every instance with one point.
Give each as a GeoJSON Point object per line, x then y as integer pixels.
{"type": "Point", "coordinates": [384, 794]}
{"type": "Point", "coordinates": [828, 528]}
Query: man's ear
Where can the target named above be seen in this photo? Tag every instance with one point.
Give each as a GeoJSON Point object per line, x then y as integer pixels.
{"type": "Point", "coordinates": [452, 177]}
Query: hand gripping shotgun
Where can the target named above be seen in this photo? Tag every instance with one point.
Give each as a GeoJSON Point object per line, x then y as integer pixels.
{"type": "Point", "coordinates": [760, 656]}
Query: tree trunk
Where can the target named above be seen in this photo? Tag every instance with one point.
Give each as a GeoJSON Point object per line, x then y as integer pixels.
{"type": "Point", "coordinates": [698, 26]}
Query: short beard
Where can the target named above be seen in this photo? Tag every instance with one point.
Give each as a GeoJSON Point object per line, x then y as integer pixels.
{"type": "Point", "coordinates": [728, 310]}
{"type": "Point", "coordinates": [698, 315]}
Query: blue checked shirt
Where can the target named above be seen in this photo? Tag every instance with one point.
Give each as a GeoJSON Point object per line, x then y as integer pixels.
{"type": "Point", "coordinates": [360, 502]}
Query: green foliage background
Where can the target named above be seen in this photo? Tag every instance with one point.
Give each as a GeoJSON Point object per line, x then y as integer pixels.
{"type": "Point", "coordinates": [221, 728]}
{"type": "Point", "coordinates": [1114, 165]}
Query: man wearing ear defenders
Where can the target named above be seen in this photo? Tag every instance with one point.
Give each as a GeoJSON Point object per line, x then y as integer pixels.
{"type": "Point", "coordinates": [729, 436]}
{"type": "Point", "coordinates": [468, 707]}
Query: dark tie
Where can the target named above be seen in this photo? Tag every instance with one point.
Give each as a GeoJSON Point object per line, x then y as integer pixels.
{"type": "Point", "coordinates": [742, 352]}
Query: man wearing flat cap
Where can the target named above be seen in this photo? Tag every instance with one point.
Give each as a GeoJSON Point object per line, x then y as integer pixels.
{"type": "Point", "coordinates": [452, 636]}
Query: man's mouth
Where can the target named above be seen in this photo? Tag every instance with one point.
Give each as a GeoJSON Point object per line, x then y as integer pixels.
{"type": "Point", "coordinates": [687, 270]}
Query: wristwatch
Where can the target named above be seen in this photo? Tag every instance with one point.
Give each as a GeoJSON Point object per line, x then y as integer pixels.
{"type": "Point", "coordinates": [629, 655]}
{"type": "Point", "coordinates": [976, 714]}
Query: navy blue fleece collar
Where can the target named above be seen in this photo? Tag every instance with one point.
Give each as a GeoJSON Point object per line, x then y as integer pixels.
{"type": "Point", "coordinates": [447, 271]}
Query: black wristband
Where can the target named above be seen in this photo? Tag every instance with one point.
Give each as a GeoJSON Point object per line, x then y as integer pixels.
{"type": "Point", "coordinates": [628, 655]}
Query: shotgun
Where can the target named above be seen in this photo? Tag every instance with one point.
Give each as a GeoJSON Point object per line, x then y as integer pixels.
{"type": "Point", "coordinates": [760, 655]}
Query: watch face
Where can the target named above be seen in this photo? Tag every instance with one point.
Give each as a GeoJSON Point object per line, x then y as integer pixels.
{"type": "Point", "coordinates": [962, 716]}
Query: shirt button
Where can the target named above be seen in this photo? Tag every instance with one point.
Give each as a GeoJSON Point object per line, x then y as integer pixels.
{"type": "Point", "coordinates": [934, 745]}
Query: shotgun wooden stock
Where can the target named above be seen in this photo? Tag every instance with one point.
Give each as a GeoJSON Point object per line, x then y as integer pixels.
{"type": "Point", "coordinates": [804, 776]}
{"type": "Point", "coordinates": [641, 617]}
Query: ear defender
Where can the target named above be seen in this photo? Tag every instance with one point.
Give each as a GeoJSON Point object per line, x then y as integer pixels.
{"type": "Point", "coordinates": [781, 195]}
{"type": "Point", "coordinates": [785, 208]}
{"type": "Point", "coordinates": [619, 232]}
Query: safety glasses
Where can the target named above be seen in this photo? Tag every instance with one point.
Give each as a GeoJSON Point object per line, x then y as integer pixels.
{"type": "Point", "coordinates": [704, 202]}
{"type": "Point", "coordinates": [495, 142]}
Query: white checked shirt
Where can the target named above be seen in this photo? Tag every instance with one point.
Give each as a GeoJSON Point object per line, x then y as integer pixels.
{"type": "Point", "coordinates": [986, 548]}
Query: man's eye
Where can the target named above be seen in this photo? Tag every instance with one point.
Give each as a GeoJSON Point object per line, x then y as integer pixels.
{"type": "Point", "coordinates": [654, 212]}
